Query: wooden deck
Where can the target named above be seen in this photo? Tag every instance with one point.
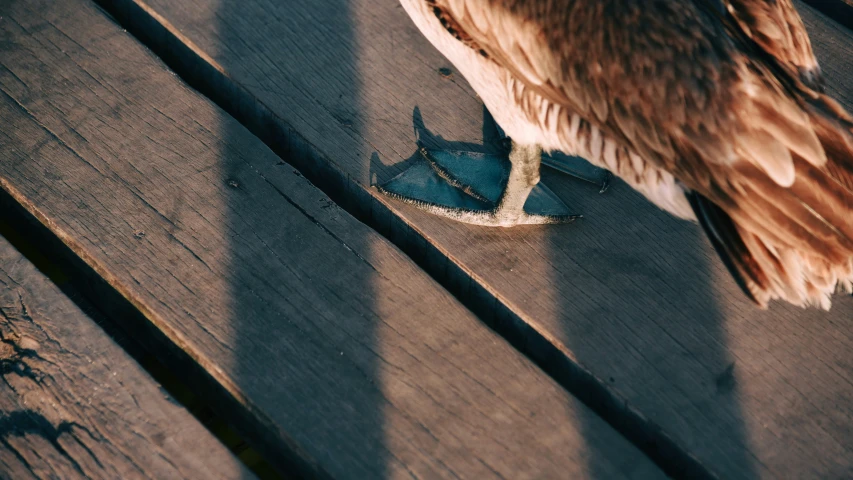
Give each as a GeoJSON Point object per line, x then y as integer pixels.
{"type": "Point", "coordinates": [219, 209]}
{"type": "Point", "coordinates": [73, 403]}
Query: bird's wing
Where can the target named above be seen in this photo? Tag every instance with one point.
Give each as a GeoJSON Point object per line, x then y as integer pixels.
{"type": "Point", "coordinates": [684, 86]}
{"type": "Point", "coordinates": [650, 75]}
{"type": "Point", "coordinates": [777, 27]}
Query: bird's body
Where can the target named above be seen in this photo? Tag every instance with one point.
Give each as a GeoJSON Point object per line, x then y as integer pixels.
{"type": "Point", "coordinates": [710, 108]}
{"type": "Point", "coordinates": [499, 90]}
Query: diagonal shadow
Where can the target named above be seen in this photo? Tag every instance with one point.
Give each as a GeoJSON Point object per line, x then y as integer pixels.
{"type": "Point", "coordinates": [648, 340]}
{"type": "Point", "coordinates": [656, 321]}
{"type": "Point", "coordinates": [326, 410]}
{"type": "Point", "coordinates": [322, 408]}
{"type": "Point", "coordinates": [627, 263]}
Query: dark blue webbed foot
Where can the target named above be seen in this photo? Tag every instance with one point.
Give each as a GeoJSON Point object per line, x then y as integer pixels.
{"type": "Point", "coordinates": [480, 188]}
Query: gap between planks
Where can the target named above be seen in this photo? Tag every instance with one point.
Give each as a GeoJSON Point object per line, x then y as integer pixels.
{"type": "Point", "coordinates": [37, 247]}
{"type": "Point", "coordinates": [453, 412]}
{"type": "Point", "coordinates": [201, 70]}
{"type": "Point", "coordinates": [73, 404]}
{"type": "Point", "coordinates": [211, 79]}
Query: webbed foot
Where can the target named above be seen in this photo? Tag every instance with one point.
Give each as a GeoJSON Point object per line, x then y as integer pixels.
{"type": "Point", "coordinates": [480, 188]}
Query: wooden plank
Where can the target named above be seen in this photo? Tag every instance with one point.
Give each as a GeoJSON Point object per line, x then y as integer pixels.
{"type": "Point", "coordinates": [840, 11]}
{"type": "Point", "coordinates": [630, 308]}
{"type": "Point", "coordinates": [73, 404]}
{"type": "Point", "coordinates": [342, 358]}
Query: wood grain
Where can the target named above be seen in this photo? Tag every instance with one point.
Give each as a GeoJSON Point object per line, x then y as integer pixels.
{"type": "Point", "coordinates": [73, 404]}
{"type": "Point", "coordinates": [630, 309]}
{"type": "Point", "coordinates": [840, 11]}
{"type": "Point", "coordinates": [347, 360]}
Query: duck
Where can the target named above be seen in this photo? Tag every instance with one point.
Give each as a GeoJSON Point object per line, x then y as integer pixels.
{"type": "Point", "coordinates": [714, 110]}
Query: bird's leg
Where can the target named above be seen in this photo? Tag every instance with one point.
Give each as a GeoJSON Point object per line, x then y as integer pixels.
{"type": "Point", "coordinates": [525, 161]}
{"type": "Point", "coordinates": [470, 190]}
{"type": "Point", "coordinates": [570, 165]}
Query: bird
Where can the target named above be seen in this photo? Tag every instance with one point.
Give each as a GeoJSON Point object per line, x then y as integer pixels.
{"type": "Point", "coordinates": [714, 110]}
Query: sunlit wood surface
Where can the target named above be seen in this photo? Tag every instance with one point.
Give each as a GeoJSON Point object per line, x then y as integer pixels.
{"type": "Point", "coordinates": [271, 275]}
{"type": "Point", "coordinates": [322, 343]}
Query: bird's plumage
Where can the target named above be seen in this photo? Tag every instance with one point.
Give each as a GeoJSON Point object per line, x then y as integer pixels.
{"type": "Point", "coordinates": [778, 29]}
{"type": "Point", "coordinates": [715, 100]}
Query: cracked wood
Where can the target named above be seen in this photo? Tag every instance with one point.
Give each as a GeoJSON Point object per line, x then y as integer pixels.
{"type": "Point", "coordinates": [630, 307]}
{"type": "Point", "coordinates": [349, 361]}
{"type": "Point", "coordinates": [73, 404]}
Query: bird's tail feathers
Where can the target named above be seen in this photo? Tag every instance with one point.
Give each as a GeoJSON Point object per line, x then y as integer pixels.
{"type": "Point", "coordinates": [792, 243]}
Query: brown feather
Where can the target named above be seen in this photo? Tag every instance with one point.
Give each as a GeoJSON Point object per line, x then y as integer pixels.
{"type": "Point", "coordinates": [777, 27]}
{"type": "Point", "coordinates": [715, 96]}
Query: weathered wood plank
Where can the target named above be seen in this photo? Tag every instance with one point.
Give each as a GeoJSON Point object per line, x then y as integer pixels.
{"type": "Point", "coordinates": [73, 404]}
{"type": "Point", "coordinates": [349, 360]}
{"type": "Point", "coordinates": [840, 11]}
{"type": "Point", "coordinates": [629, 308]}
